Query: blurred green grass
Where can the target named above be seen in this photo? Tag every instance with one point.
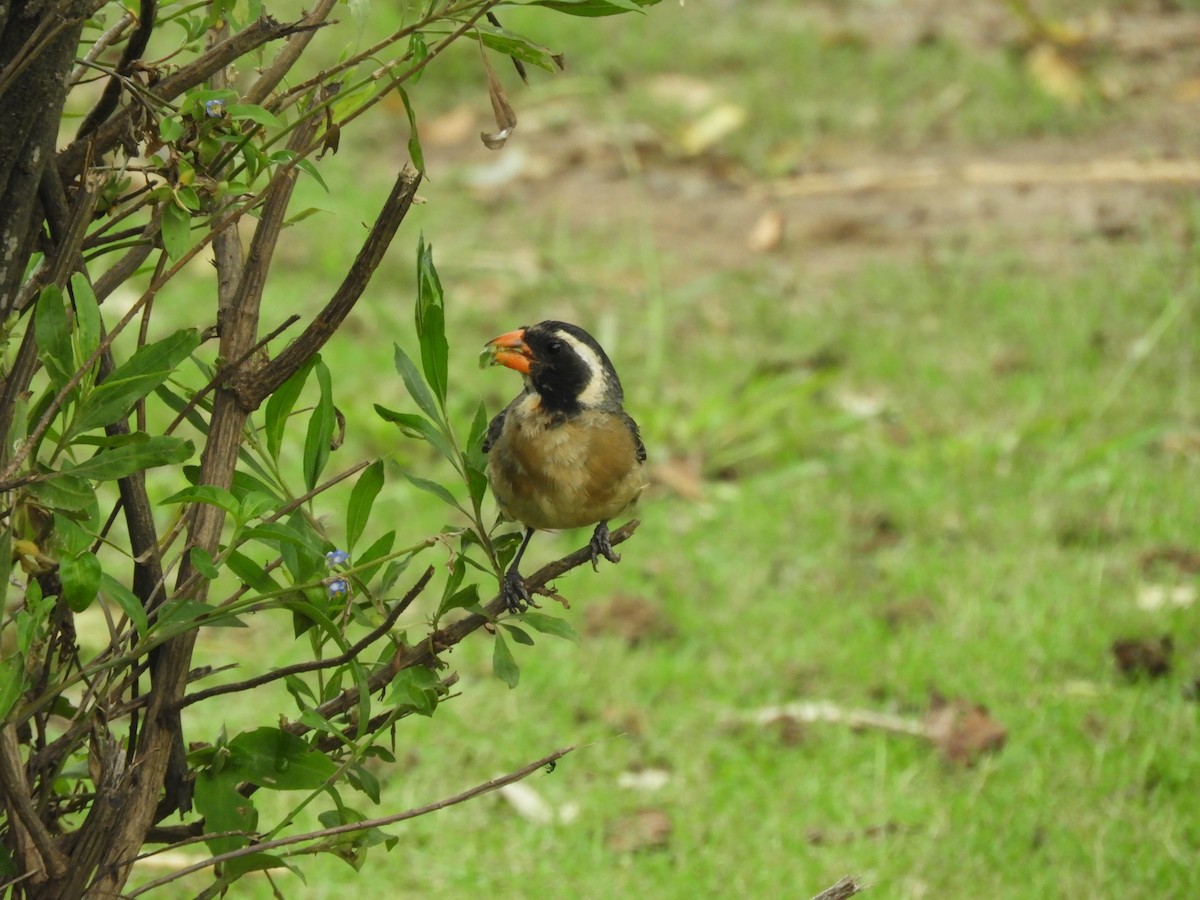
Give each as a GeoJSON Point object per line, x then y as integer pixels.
{"type": "Point", "coordinates": [936, 469]}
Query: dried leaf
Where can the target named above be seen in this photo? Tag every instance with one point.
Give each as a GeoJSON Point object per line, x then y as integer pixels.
{"type": "Point", "coordinates": [767, 233]}
{"type": "Point", "coordinates": [1055, 73]}
{"type": "Point", "coordinates": [711, 128]}
{"type": "Point", "coordinates": [682, 475]}
{"type": "Point", "coordinates": [1138, 657]}
{"type": "Point", "coordinates": [633, 619]}
{"type": "Point", "coordinates": [962, 731]}
{"type": "Point", "coordinates": [646, 829]}
{"type": "Point", "coordinates": [506, 119]}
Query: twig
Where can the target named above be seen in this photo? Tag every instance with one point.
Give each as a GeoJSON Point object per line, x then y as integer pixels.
{"type": "Point", "coordinates": [825, 711]}
{"type": "Point", "coordinates": [355, 827]}
{"type": "Point", "coordinates": [847, 887]}
{"type": "Point", "coordinates": [425, 653]}
{"type": "Point", "coordinates": [299, 668]}
{"type": "Point", "coordinates": [254, 386]}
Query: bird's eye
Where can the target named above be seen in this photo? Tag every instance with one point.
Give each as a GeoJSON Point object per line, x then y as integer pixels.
{"type": "Point", "coordinates": [554, 346]}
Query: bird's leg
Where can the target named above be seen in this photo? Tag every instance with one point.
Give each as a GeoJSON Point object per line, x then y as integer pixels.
{"type": "Point", "coordinates": [512, 588]}
{"type": "Point", "coordinates": [600, 546]}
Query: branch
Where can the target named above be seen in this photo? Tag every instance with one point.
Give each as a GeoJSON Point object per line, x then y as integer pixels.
{"type": "Point", "coordinates": [104, 138]}
{"type": "Point", "coordinates": [313, 665]}
{"type": "Point", "coordinates": [425, 653]}
{"type": "Point", "coordinates": [252, 387]}
{"type": "Point", "coordinates": [27, 823]}
{"type": "Point", "coordinates": [356, 827]}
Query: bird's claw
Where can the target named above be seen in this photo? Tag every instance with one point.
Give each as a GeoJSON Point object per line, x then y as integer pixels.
{"type": "Point", "coordinates": [516, 596]}
{"type": "Point", "coordinates": [600, 546]}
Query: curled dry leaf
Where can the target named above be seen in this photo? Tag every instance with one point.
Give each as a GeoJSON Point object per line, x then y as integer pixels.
{"type": "Point", "coordinates": [645, 829]}
{"type": "Point", "coordinates": [506, 119]}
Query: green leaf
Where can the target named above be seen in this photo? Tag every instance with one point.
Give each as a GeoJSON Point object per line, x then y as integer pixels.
{"type": "Point", "coordinates": [276, 759]}
{"type": "Point", "coordinates": [87, 318]}
{"type": "Point", "coordinates": [149, 367]}
{"type": "Point", "coordinates": [53, 335]}
{"type": "Point", "coordinates": [251, 573]}
{"type": "Point", "coordinates": [434, 488]}
{"type": "Point", "coordinates": [416, 426]}
{"type": "Point", "coordinates": [80, 577]}
{"type": "Point", "coordinates": [174, 613]}
{"type": "Point", "coordinates": [520, 635]}
{"type": "Point", "coordinates": [127, 600]}
{"type": "Point", "coordinates": [593, 7]}
{"type": "Point", "coordinates": [362, 498]}
{"type": "Point", "coordinates": [550, 625]}
{"type": "Point", "coordinates": [59, 491]}
{"type": "Point", "coordinates": [224, 810]}
{"type": "Point", "coordinates": [279, 407]}
{"type": "Point", "coordinates": [253, 113]}
{"type": "Point", "coordinates": [463, 599]}
{"type": "Point", "coordinates": [203, 562]}
{"type": "Point", "coordinates": [418, 51]}
{"type": "Point", "coordinates": [179, 405]}
{"type": "Point", "coordinates": [519, 47]}
{"type": "Point", "coordinates": [414, 139]}
{"type": "Point", "coordinates": [415, 385]}
{"type": "Point", "coordinates": [276, 535]}
{"type": "Point", "coordinates": [120, 461]}
{"type": "Point", "coordinates": [176, 229]}
{"type": "Point", "coordinates": [12, 682]}
{"type": "Point", "coordinates": [170, 129]}
{"type": "Point", "coordinates": [431, 323]}
{"type": "Point", "coordinates": [320, 430]}
{"type": "Point", "coordinates": [416, 687]}
{"type": "Point", "coordinates": [206, 493]}
{"type": "Point", "coordinates": [381, 548]}
{"type": "Point", "coordinates": [503, 664]}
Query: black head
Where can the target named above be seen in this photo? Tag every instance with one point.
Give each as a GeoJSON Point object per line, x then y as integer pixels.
{"type": "Point", "coordinates": [563, 364]}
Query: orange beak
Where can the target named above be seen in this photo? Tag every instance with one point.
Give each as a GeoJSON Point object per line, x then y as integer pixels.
{"type": "Point", "coordinates": [510, 350]}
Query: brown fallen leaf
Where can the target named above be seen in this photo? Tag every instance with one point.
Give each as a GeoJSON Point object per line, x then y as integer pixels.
{"type": "Point", "coordinates": [1184, 559]}
{"type": "Point", "coordinates": [682, 475]}
{"type": "Point", "coordinates": [962, 731]}
{"type": "Point", "coordinates": [1143, 657]}
{"type": "Point", "coordinates": [645, 829]}
{"type": "Point", "coordinates": [633, 619]}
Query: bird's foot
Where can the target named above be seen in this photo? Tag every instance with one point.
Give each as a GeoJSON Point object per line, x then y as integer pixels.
{"type": "Point", "coordinates": [516, 596]}
{"type": "Point", "coordinates": [600, 546]}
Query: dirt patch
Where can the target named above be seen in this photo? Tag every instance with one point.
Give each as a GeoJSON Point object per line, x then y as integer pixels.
{"type": "Point", "coordinates": [705, 213]}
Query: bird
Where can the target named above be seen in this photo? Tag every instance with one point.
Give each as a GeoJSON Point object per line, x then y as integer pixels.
{"type": "Point", "coordinates": [564, 453]}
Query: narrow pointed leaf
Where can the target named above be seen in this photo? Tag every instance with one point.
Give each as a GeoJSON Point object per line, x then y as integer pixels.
{"type": "Point", "coordinates": [149, 367]}
{"type": "Point", "coordinates": [362, 498]}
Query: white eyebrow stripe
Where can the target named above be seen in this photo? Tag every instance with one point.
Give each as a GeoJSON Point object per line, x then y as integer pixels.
{"type": "Point", "coordinates": [597, 390]}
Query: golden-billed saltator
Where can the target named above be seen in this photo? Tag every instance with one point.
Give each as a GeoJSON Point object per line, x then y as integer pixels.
{"type": "Point", "coordinates": [564, 453]}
